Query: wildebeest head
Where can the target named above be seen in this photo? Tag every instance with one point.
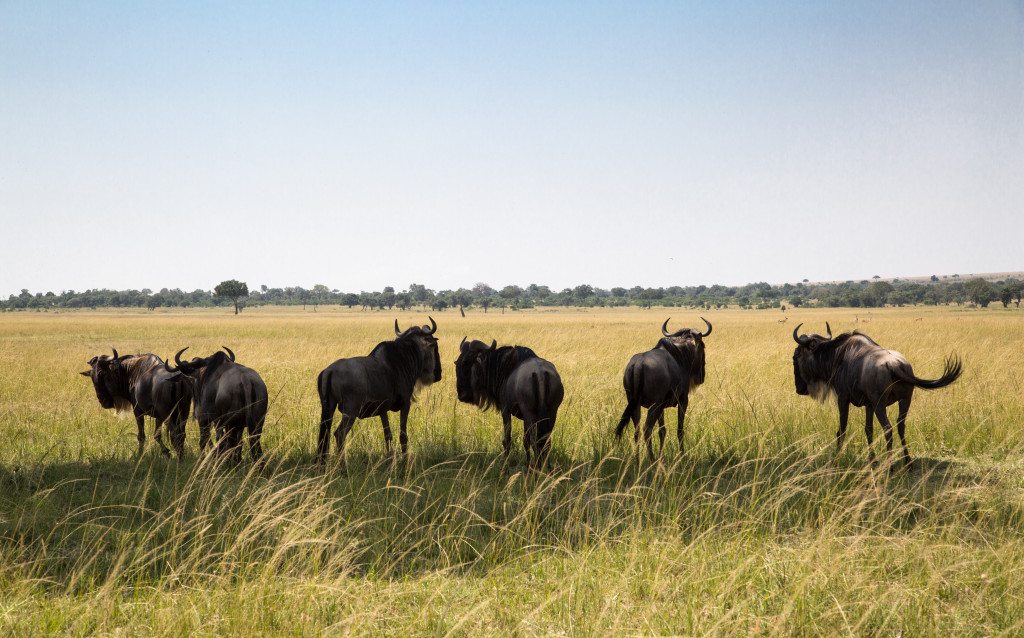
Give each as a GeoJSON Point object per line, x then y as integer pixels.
{"type": "Point", "coordinates": [430, 356]}
{"type": "Point", "coordinates": [688, 340]}
{"type": "Point", "coordinates": [469, 370]}
{"type": "Point", "coordinates": [194, 368]}
{"type": "Point", "coordinates": [109, 380]}
{"type": "Point", "coordinates": [805, 368]}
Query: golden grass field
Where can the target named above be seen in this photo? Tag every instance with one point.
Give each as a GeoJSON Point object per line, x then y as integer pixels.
{"type": "Point", "coordinates": [755, 530]}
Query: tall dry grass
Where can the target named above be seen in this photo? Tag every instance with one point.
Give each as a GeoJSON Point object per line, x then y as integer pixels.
{"type": "Point", "coordinates": [756, 530]}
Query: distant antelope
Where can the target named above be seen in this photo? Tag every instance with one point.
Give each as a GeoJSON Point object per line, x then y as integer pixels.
{"type": "Point", "coordinates": [783, 320]}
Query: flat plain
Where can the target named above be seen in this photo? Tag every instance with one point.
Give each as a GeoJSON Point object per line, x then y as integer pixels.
{"type": "Point", "coordinates": [756, 528]}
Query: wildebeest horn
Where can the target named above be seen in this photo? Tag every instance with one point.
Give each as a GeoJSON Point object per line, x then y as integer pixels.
{"type": "Point", "coordinates": [799, 339]}
{"type": "Point", "coordinates": [398, 332]}
{"type": "Point", "coordinates": [433, 325]}
{"type": "Point", "coordinates": [494, 344]}
{"type": "Point", "coordinates": [177, 356]}
{"type": "Point", "coordinates": [664, 328]}
{"type": "Point", "coordinates": [462, 345]}
{"type": "Point", "coordinates": [828, 330]}
{"type": "Point", "coordinates": [709, 327]}
{"type": "Point", "coordinates": [115, 352]}
{"type": "Point", "coordinates": [230, 354]}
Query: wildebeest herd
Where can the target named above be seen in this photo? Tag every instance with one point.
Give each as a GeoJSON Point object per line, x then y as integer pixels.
{"type": "Point", "coordinates": [232, 399]}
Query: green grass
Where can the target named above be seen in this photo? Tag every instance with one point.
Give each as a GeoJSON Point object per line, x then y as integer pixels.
{"type": "Point", "coordinates": [756, 530]}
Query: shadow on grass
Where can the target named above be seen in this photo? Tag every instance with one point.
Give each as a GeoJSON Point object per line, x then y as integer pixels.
{"type": "Point", "coordinates": [76, 520]}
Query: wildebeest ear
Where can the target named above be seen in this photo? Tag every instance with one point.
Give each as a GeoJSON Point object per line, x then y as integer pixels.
{"type": "Point", "coordinates": [87, 373]}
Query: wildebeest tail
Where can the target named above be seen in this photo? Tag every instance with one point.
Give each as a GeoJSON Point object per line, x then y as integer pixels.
{"type": "Point", "coordinates": [323, 382]}
{"type": "Point", "coordinates": [636, 390]}
{"type": "Point", "coordinates": [954, 368]}
{"type": "Point", "coordinates": [540, 409]}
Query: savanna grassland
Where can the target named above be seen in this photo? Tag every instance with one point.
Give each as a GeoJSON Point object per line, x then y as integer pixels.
{"type": "Point", "coordinates": [756, 529]}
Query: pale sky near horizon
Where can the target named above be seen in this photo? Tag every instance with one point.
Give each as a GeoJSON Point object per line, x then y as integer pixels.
{"type": "Point", "coordinates": [360, 145]}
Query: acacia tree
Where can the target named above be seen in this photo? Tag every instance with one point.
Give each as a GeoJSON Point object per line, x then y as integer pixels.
{"type": "Point", "coordinates": [980, 292]}
{"type": "Point", "coordinates": [319, 293]}
{"type": "Point", "coordinates": [232, 289]}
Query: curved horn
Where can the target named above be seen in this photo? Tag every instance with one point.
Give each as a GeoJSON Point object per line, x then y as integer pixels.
{"type": "Point", "coordinates": [709, 327]}
{"type": "Point", "coordinates": [398, 332]}
{"type": "Point", "coordinates": [230, 354]}
{"type": "Point", "coordinates": [494, 344]}
{"type": "Point", "coordinates": [177, 356]}
{"type": "Point", "coordinates": [799, 339]}
{"type": "Point", "coordinates": [463, 346]}
{"type": "Point", "coordinates": [115, 352]}
{"type": "Point", "coordinates": [433, 325]}
{"type": "Point", "coordinates": [828, 329]}
{"type": "Point", "coordinates": [664, 328]}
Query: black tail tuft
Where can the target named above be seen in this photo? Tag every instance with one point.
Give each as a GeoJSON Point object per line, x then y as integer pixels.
{"type": "Point", "coordinates": [633, 395]}
{"type": "Point", "coordinates": [954, 368]}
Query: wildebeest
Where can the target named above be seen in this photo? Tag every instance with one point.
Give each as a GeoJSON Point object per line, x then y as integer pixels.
{"type": "Point", "coordinates": [140, 383]}
{"type": "Point", "coordinates": [519, 384]}
{"type": "Point", "coordinates": [661, 378]}
{"type": "Point", "coordinates": [227, 395]}
{"type": "Point", "coordinates": [859, 371]}
{"type": "Point", "coordinates": [384, 381]}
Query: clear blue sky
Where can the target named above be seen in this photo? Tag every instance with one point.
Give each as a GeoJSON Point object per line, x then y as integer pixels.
{"type": "Point", "coordinates": [364, 145]}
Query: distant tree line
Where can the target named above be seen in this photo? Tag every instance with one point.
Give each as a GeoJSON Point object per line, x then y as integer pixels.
{"type": "Point", "coordinates": [856, 294]}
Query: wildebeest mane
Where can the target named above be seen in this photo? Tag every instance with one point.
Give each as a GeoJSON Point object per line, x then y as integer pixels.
{"type": "Point", "coordinates": [685, 356]}
{"type": "Point", "coordinates": [828, 358]}
{"type": "Point", "coordinates": [126, 376]}
{"type": "Point", "coordinates": [404, 358]}
{"type": "Point", "coordinates": [496, 366]}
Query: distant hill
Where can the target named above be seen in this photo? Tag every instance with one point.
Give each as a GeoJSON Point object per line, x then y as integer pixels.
{"type": "Point", "coordinates": [987, 276]}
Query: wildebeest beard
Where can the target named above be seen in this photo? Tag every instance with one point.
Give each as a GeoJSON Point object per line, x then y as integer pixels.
{"type": "Point", "coordinates": [817, 368]}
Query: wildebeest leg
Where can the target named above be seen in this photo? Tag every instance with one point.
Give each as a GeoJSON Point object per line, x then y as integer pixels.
{"type": "Point", "coordinates": [684, 402]}
{"type": "Point", "coordinates": [653, 414]}
{"type": "Point", "coordinates": [844, 416]}
{"type": "Point", "coordinates": [323, 440]}
{"type": "Point", "coordinates": [255, 446]}
{"type": "Point", "coordinates": [883, 418]}
{"type": "Point", "coordinates": [230, 441]}
{"type": "Point", "coordinates": [341, 432]}
{"type": "Point", "coordinates": [403, 436]}
{"type": "Point", "coordinates": [542, 441]}
{"type": "Point", "coordinates": [869, 432]}
{"type": "Point", "coordinates": [661, 432]}
{"type": "Point", "coordinates": [140, 420]}
{"type": "Point", "coordinates": [387, 432]}
{"type": "Point", "coordinates": [635, 417]}
{"type": "Point", "coordinates": [901, 427]}
{"type": "Point", "coordinates": [506, 441]}
{"type": "Point", "coordinates": [204, 434]}
{"type": "Point", "coordinates": [158, 435]}
{"type": "Point", "coordinates": [529, 431]}
{"type": "Point", "coordinates": [177, 431]}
